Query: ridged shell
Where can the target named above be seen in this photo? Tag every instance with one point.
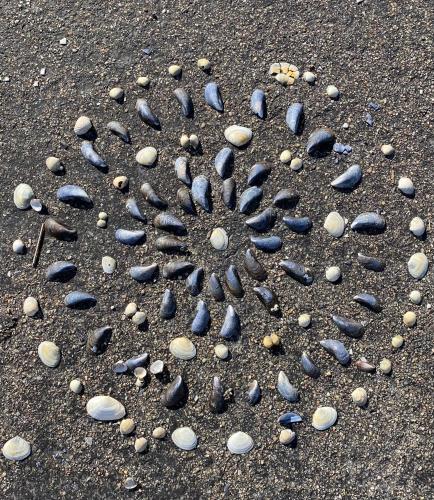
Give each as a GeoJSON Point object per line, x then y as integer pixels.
{"type": "Point", "coordinates": [105, 408]}
{"type": "Point", "coordinates": [182, 348]}
{"type": "Point", "coordinates": [238, 136]}
{"type": "Point", "coordinates": [49, 354]}
{"type": "Point", "coordinates": [184, 438]}
{"type": "Point", "coordinates": [16, 449]}
{"type": "Point", "coordinates": [324, 417]}
{"type": "Point", "coordinates": [147, 156]}
{"type": "Point", "coordinates": [23, 194]}
{"type": "Point", "coordinates": [240, 443]}
{"type": "Point", "coordinates": [219, 239]}
{"type": "Point", "coordinates": [335, 224]}
{"type": "Point", "coordinates": [418, 265]}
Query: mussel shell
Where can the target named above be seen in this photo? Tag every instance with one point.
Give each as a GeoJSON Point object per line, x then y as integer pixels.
{"type": "Point", "coordinates": [146, 115]}
{"type": "Point", "coordinates": [105, 408]}
{"type": "Point", "coordinates": [89, 154]}
{"type": "Point", "coordinates": [151, 197]}
{"type": "Point", "coordinates": [224, 162]}
{"type": "Point", "coordinates": [134, 210]}
{"type": "Point", "coordinates": [253, 266]}
{"type": "Point", "coordinates": [297, 272]}
{"type": "Point", "coordinates": [348, 326]}
{"type": "Point", "coordinates": [364, 366]}
{"type": "Point", "coordinates": [60, 271]}
{"type": "Point", "coordinates": [371, 263]}
{"type": "Point", "coordinates": [170, 223]}
{"type": "Point", "coordinates": [137, 361]}
{"type": "Point", "coordinates": [79, 300]}
{"type": "Point", "coordinates": [168, 305]}
{"type": "Point", "coordinates": [298, 224]}
{"type": "Point", "coordinates": [286, 198]}
{"type": "Point", "coordinates": [286, 389]}
{"type": "Point", "coordinates": [201, 192]}
{"type": "Point", "coordinates": [368, 300]}
{"type": "Point", "coordinates": [98, 340]}
{"type": "Point", "coordinates": [309, 366]}
{"type": "Point", "coordinates": [289, 418]}
{"type": "Point", "coordinates": [229, 193]}
{"type": "Point", "coordinates": [320, 142]}
{"type": "Point", "coordinates": [217, 402]}
{"type": "Point", "coordinates": [231, 327]}
{"type": "Point", "coordinates": [258, 103]}
{"type": "Point", "coordinates": [349, 179]}
{"type": "Point", "coordinates": [175, 394]}
{"type": "Point", "coordinates": [202, 319]}
{"type": "Point", "coordinates": [213, 97]}
{"type": "Point", "coordinates": [233, 281]}
{"type": "Point", "coordinates": [253, 392]}
{"type": "Point", "coordinates": [262, 222]}
{"type": "Point", "coordinates": [258, 174]}
{"type": "Point", "coordinates": [294, 117]}
{"type": "Point", "coordinates": [185, 101]}
{"type": "Point", "coordinates": [177, 269]}
{"type": "Point", "coordinates": [194, 281]}
{"type": "Point", "coordinates": [59, 230]}
{"type": "Point", "coordinates": [119, 130]}
{"type": "Point", "coordinates": [336, 349]}
{"type": "Point", "coordinates": [74, 196]}
{"type": "Point", "coordinates": [183, 170]}
{"type": "Point", "coordinates": [250, 199]}
{"type": "Point", "coordinates": [369, 222]}
{"type": "Point", "coordinates": [130, 238]}
{"type": "Point", "coordinates": [170, 245]}
{"type": "Point", "coordinates": [185, 200]}
{"type": "Point", "coordinates": [268, 244]}
{"type": "Point", "coordinates": [215, 288]}
{"type": "Point", "coordinates": [269, 299]}
{"type": "Point", "coordinates": [144, 274]}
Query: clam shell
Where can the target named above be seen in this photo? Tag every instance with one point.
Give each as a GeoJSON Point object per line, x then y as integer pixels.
{"type": "Point", "coordinates": [182, 348]}
{"type": "Point", "coordinates": [219, 239]}
{"type": "Point", "coordinates": [224, 162]}
{"type": "Point", "coordinates": [240, 443]}
{"type": "Point", "coordinates": [324, 417]}
{"type": "Point", "coordinates": [23, 194]}
{"type": "Point", "coordinates": [258, 104]}
{"type": "Point", "coordinates": [147, 156]}
{"type": "Point", "coordinates": [49, 354]}
{"type": "Point", "coordinates": [105, 408]}
{"type": "Point", "coordinates": [286, 389]}
{"type": "Point", "coordinates": [406, 186]}
{"type": "Point", "coordinates": [82, 125]}
{"type": "Point", "coordinates": [417, 226]}
{"type": "Point", "coordinates": [334, 224]}
{"type": "Point", "coordinates": [238, 136]}
{"type": "Point", "coordinates": [16, 449]}
{"type": "Point", "coordinates": [213, 97]}
{"type": "Point", "coordinates": [184, 438]}
{"type": "Point", "coordinates": [418, 265]}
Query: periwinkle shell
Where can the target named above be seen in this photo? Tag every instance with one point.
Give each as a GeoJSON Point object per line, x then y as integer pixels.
{"type": "Point", "coordinates": [105, 408]}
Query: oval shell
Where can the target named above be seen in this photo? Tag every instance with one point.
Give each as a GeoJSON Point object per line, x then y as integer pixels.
{"type": "Point", "coordinates": [240, 443]}
{"type": "Point", "coordinates": [334, 224]}
{"type": "Point", "coordinates": [418, 265]}
{"type": "Point", "coordinates": [184, 438]}
{"type": "Point", "coordinates": [324, 417]}
{"type": "Point", "coordinates": [105, 408]}
{"type": "Point", "coordinates": [16, 449]}
{"type": "Point", "coordinates": [147, 156]}
{"type": "Point", "coordinates": [238, 136]}
{"type": "Point", "coordinates": [49, 354]}
{"type": "Point", "coordinates": [182, 348]}
{"type": "Point", "coordinates": [219, 239]}
{"type": "Point", "coordinates": [23, 194]}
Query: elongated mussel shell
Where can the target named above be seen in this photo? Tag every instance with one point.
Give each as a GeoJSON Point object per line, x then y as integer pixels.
{"type": "Point", "coordinates": [215, 288]}
{"type": "Point", "coordinates": [231, 327]}
{"type": "Point", "coordinates": [268, 244]}
{"type": "Point", "coordinates": [286, 198]}
{"type": "Point", "coordinates": [119, 130]}
{"type": "Point", "coordinates": [201, 191]}
{"type": "Point", "coordinates": [137, 361]}
{"type": "Point", "coordinates": [89, 154]}
{"type": "Point", "coordinates": [371, 263]}
{"type": "Point", "coordinates": [74, 196]}
{"type": "Point", "coordinates": [253, 266]}
{"type": "Point", "coordinates": [233, 281]}
{"type": "Point", "coordinates": [194, 281]}
{"type": "Point", "coordinates": [130, 238]}
{"type": "Point", "coordinates": [298, 224]}
{"type": "Point", "coordinates": [368, 300]}
{"type": "Point", "coordinates": [369, 222]}
{"type": "Point", "coordinates": [258, 103]}
{"type": "Point", "coordinates": [144, 274]}
{"type": "Point", "coordinates": [294, 117]}
{"type": "Point", "coordinates": [262, 222]}
{"type": "Point", "coordinates": [79, 300]}
{"type": "Point", "coordinates": [185, 200]}
{"type": "Point", "coordinates": [269, 299]}
{"type": "Point", "coordinates": [146, 115]}
{"type": "Point", "coordinates": [289, 418]}
{"type": "Point", "coordinates": [60, 271]}
{"type": "Point", "coordinates": [349, 179]}
{"type": "Point", "coordinates": [168, 305]}
{"type": "Point", "coordinates": [170, 244]}
{"type": "Point", "coordinates": [296, 271]}
{"type": "Point", "coordinates": [59, 230]}
{"type": "Point", "coordinates": [185, 101]}
{"type": "Point", "coordinates": [217, 402]}
{"type": "Point", "coordinates": [175, 394]}
{"type": "Point", "coordinates": [286, 389]}
{"type": "Point", "coordinates": [151, 197]}
{"type": "Point", "coordinates": [183, 170]}
{"type": "Point", "coordinates": [348, 326]}
{"type": "Point", "coordinates": [258, 174]}
{"type": "Point", "coordinates": [98, 340]}
{"type": "Point", "coordinates": [177, 269]}
{"type": "Point", "coordinates": [201, 319]}
{"type": "Point", "coordinates": [320, 142]}
{"type": "Point", "coordinates": [229, 193]}
{"type": "Point", "coordinates": [170, 223]}
{"type": "Point", "coordinates": [250, 199]}
{"type": "Point", "coordinates": [134, 210]}
{"type": "Point", "coordinates": [224, 162]}
{"type": "Point", "coordinates": [336, 349]}
{"type": "Point", "coordinates": [309, 366]}
{"type": "Point", "coordinates": [213, 97]}
{"type": "Point", "coordinates": [253, 392]}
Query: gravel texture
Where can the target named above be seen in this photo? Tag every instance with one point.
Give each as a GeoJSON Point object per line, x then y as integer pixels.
{"type": "Point", "coordinates": [373, 50]}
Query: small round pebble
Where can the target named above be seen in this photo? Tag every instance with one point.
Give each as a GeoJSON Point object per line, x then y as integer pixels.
{"type": "Point", "coordinates": [221, 351]}
{"type": "Point", "coordinates": [194, 141]}
{"type": "Point", "coordinates": [417, 226]}
{"type": "Point", "coordinates": [76, 386]}
{"type": "Point", "coordinates": [409, 319]}
{"type": "Point", "coordinates": [108, 263]}
{"type": "Point", "coordinates": [141, 445]}
{"type": "Point", "coordinates": [143, 81]}
{"type": "Point", "coordinates": [18, 247]}
{"type": "Point", "coordinates": [130, 309]}
{"type": "Point", "coordinates": [53, 164]}
{"type": "Point", "coordinates": [159, 433]}
{"type": "Point", "coordinates": [333, 274]}
{"type": "Point", "coordinates": [296, 164]}
{"type": "Point", "coordinates": [285, 156]}
{"type": "Point", "coordinates": [130, 483]}
{"type": "Point", "coordinates": [416, 297]}
{"type": "Point", "coordinates": [359, 396]}
{"type": "Point", "coordinates": [101, 223]}
{"type": "Point", "coordinates": [397, 341]}
{"type": "Point", "coordinates": [275, 339]}
{"type": "Point", "coordinates": [116, 93]}
{"type": "Point", "coordinates": [332, 91]}
{"type": "Point", "coordinates": [203, 64]}
{"type": "Point", "coordinates": [406, 186]}
{"type": "Point", "coordinates": [175, 70]}
{"type": "Point", "coordinates": [309, 77]}
{"type": "Point", "coordinates": [139, 318]}
{"type": "Point", "coordinates": [103, 216]}
{"type": "Point", "coordinates": [304, 320]}
{"type": "Point", "coordinates": [385, 366]}
{"type": "Point", "coordinates": [286, 436]}
{"type": "Point", "coordinates": [267, 342]}
{"type": "Point", "coordinates": [120, 182]}
{"type": "Point", "coordinates": [127, 426]}
{"type": "Point", "coordinates": [387, 150]}
{"type": "Point", "coordinates": [184, 141]}
{"type": "Point", "coordinates": [30, 307]}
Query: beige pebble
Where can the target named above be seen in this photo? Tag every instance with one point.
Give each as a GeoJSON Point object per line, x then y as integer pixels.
{"type": "Point", "coordinates": [332, 91]}
{"type": "Point", "coordinates": [359, 396]}
{"type": "Point", "coordinates": [130, 309]}
{"type": "Point", "coordinates": [397, 341]}
{"type": "Point", "coordinates": [147, 156]}
{"type": "Point", "coordinates": [103, 216]}
{"type": "Point", "coordinates": [184, 141]}
{"type": "Point", "coordinates": [116, 93]}
{"type": "Point", "coordinates": [267, 342]}
{"type": "Point", "coordinates": [82, 125]}
{"type": "Point", "coordinates": [139, 318]}
{"type": "Point", "coordinates": [304, 320]}
{"type": "Point", "coordinates": [387, 150]}
{"type": "Point", "coordinates": [120, 182]}
{"type": "Point", "coordinates": [76, 386]}
{"type": "Point", "coordinates": [175, 70]}
{"type": "Point", "coordinates": [385, 366]}
{"type": "Point", "coordinates": [416, 297]}
{"type": "Point", "coordinates": [127, 426]}
{"type": "Point", "coordinates": [296, 164]}
{"type": "Point", "coordinates": [101, 223]}
{"type": "Point", "coordinates": [53, 164]}
{"type": "Point", "coordinates": [194, 141]}
{"type": "Point", "coordinates": [159, 433]}
{"type": "Point", "coordinates": [221, 351]}
{"type": "Point", "coordinates": [141, 445]}
{"type": "Point", "coordinates": [285, 156]}
{"type": "Point", "coordinates": [143, 81]}
{"type": "Point", "coordinates": [30, 307]}
{"type": "Point", "coordinates": [287, 436]}
{"type": "Point", "coordinates": [203, 64]}
{"type": "Point", "coordinates": [409, 319]}
{"type": "Point", "coordinates": [275, 339]}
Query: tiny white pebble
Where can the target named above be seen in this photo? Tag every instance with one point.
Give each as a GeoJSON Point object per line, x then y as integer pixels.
{"type": "Point", "coordinates": [304, 320]}
{"type": "Point", "coordinates": [103, 216]}
{"type": "Point", "coordinates": [332, 91]}
{"type": "Point", "coordinates": [406, 186]}
{"type": "Point", "coordinates": [309, 77]}
{"type": "Point", "coordinates": [416, 297]}
{"type": "Point", "coordinates": [62, 41]}
{"type": "Point", "coordinates": [345, 125]}
{"type": "Point", "coordinates": [116, 93]}
{"type": "Point", "coordinates": [397, 341]}
{"type": "Point", "coordinates": [387, 149]}
{"type": "Point", "coordinates": [141, 445]}
{"type": "Point", "coordinates": [139, 318]}
{"type": "Point", "coordinates": [18, 247]}
{"type": "Point", "coordinates": [221, 351]}
{"type": "Point", "coordinates": [184, 141]}
{"type": "Point", "coordinates": [359, 396]}
{"type": "Point", "coordinates": [333, 274]}
{"type": "Point", "coordinates": [42, 71]}
{"type": "Point", "coordinates": [76, 386]}
{"type": "Point", "coordinates": [101, 223]}
{"type": "Point", "coordinates": [296, 164]}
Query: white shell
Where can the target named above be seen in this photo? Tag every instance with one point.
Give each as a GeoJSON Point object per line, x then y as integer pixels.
{"type": "Point", "coordinates": [130, 309]}
{"type": "Point", "coordinates": [238, 136]}
{"type": "Point", "coordinates": [203, 64]}
{"type": "Point", "coordinates": [120, 182]}
{"type": "Point", "coordinates": [30, 307]}
{"type": "Point", "coordinates": [285, 156]}
{"type": "Point", "coordinates": [240, 443]}
{"type": "Point", "coordinates": [324, 417]}
{"type": "Point", "coordinates": [108, 264]}
{"type": "Point", "coordinates": [334, 224]}
{"type": "Point", "coordinates": [182, 348]}
{"type": "Point", "coordinates": [296, 164]}
{"type": "Point", "coordinates": [304, 320]}
{"type": "Point", "coordinates": [19, 247]}
{"type": "Point", "coordinates": [415, 297]}
{"type": "Point", "coordinates": [22, 195]}
{"type": "Point", "coordinates": [16, 449]}
{"type": "Point", "coordinates": [76, 386]}
{"type": "Point", "coordinates": [184, 438]}
{"type": "Point", "coordinates": [82, 125]}
{"type": "Point", "coordinates": [418, 265]}
{"type": "Point", "coordinates": [105, 408]}
{"type": "Point", "coordinates": [49, 353]}
{"type": "Point", "coordinates": [406, 186]}
{"type": "Point", "coordinates": [359, 396]}
{"type": "Point", "coordinates": [147, 156]}
{"type": "Point", "coordinates": [219, 239]}
{"type": "Point", "coordinates": [139, 318]}
{"type": "Point", "coordinates": [309, 77]}
{"type": "Point", "coordinates": [417, 226]}
{"type": "Point", "coordinates": [53, 164]}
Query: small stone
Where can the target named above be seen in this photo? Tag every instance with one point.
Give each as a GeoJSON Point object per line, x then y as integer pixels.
{"type": "Point", "coordinates": [345, 126]}
{"type": "Point", "coordinates": [116, 93]}
{"type": "Point", "coordinates": [82, 125]}
{"type": "Point", "coordinates": [267, 342]}
{"type": "Point", "coordinates": [147, 156]}
{"type": "Point", "coordinates": [333, 274]}
{"type": "Point", "coordinates": [309, 77]}
{"type": "Point", "coordinates": [139, 318]}
{"type": "Point", "coordinates": [416, 297]}
{"type": "Point", "coordinates": [130, 484]}
{"type": "Point", "coordinates": [194, 141]}
{"type": "Point", "coordinates": [53, 164]}
{"type": "Point", "coordinates": [103, 216]}
{"type": "Point", "coordinates": [287, 436]}
{"type": "Point", "coordinates": [30, 307]}
{"type": "Point", "coordinates": [141, 445]}
{"type": "Point", "coordinates": [304, 320]}
{"type": "Point", "coordinates": [120, 182]}
{"type": "Point", "coordinates": [385, 366]}
{"type": "Point", "coordinates": [63, 41]}
{"type": "Point", "coordinates": [221, 351]}
{"type": "Point", "coordinates": [175, 70]}
{"type": "Point", "coordinates": [143, 81]}
{"type": "Point", "coordinates": [406, 186]}
{"type": "Point", "coordinates": [417, 226]}
{"type": "Point", "coordinates": [387, 150]}
{"type": "Point", "coordinates": [19, 247]}
{"type": "Point", "coordinates": [285, 156]}
{"type": "Point", "coordinates": [296, 164]}
{"type": "Point", "coordinates": [203, 64]}
{"type": "Point", "coordinates": [397, 341]}
{"type": "Point", "coordinates": [418, 265]}
{"type": "Point", "coordinates": [127, 426]}
{"type": "Point", "coordinates": [42, 71]}
{"type": "Point", "coordinates": [101, 223]}
{"type": "Point", "coordinates": [108, 263]}
{"type": "Point", "coordinates": [159, 433]}
{"type": "Point", "coordinates": [332, 92]}
{"type": "Point", "coordinates": [130, 309]}
{"type": "Point", "coordinates": [76, 386]}
{"type": "Point", "coordinates": [184, 141]}
{"type": "Point", "coordinates": [409, 319]}
{"type": "Point", "coordinates": [359, 396]}
{"type": "Point", "coordinates": [275, 339]}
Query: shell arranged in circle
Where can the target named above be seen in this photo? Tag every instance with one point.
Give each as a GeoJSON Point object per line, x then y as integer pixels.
{"type": "Point", "coordinates": [238, 136]}
{"type": "Point", "coordinates": [182, 348]}
{"type": "Point", "coordinates": [240, 443]}
{"type": "Point", "coordinates": [418, 265]}
{"type": "Point", "coordinates": [23, 195]}
{"type": "Point", "coordinates": [49, 354]}
{"type": "Point", "coordinates": [219, 239]}
{"type": "Point", "coordinates": [184, 438]}
{"type": "Point", "coordinates": [105, 408]}
{"type": "Point", "coordinates": [324, 417]}
{"type": "Point", "coordinates": [16, 449]}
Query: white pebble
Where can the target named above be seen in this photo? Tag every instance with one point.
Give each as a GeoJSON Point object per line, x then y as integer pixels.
{"type": "Point", "coordinates": [221, 351]}
{"type": "Point", "coordinates": [333, 274]}
{"type": "Point", "coordinates": [332, 92]}
{"type": "Point", "coordinates": [143, 81]}
{"type": "Point", "coordinates": [76, 386]}
{"type": "Point", "coordinates": [116, 93]}
{"type": "Point", "coordinates": [175, 70]}
{"type": "Point", "coordinates": [304, 320]}
{"type": "Point", "coordinates": [108, 263]}
{"type": "Point", "coordinates": [406, 186]}
{"type": "Point", "coordinates": [409, 319]}
{"type": "Point", "coordinates": [387, 150]}
{"type": "Point", "coordinates": [416, 297]}
{"type": "Point", "coordinates": [130, 309]}
{"type": "Point", "coordinates": [19, 247]}
{"type": "Point", "coordinates": [309, 77]}
{"type": "Point", "coordinates": [62, 41]}
{"type": "Point", "coordinates": [285, 156]}
{"type": "Point", "coordinates": [417, 226]}
{"type": "Point", "coordinates": [103, 216]}
{"type": "Point", "coordinates": [101, 223]}
{"type": "Point", "coordinates": [359, 396]}
{"type": "Point", "coordinates": [296, 164]}
{"type": "Point", "coordinates": [30, 307]}
{"type": "Point", "coordinates": [139, 318]}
